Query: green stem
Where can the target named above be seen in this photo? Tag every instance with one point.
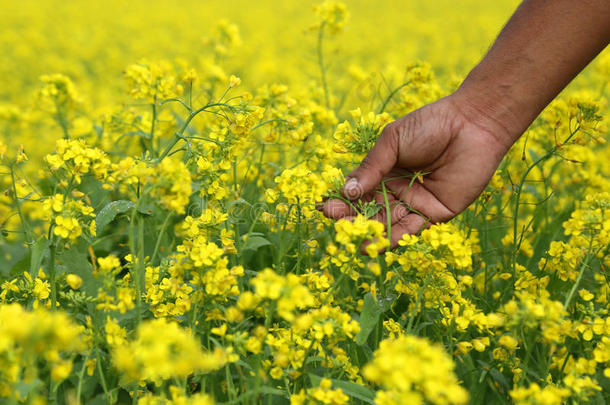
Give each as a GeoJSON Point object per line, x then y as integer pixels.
{"type": "Point", "coordinates": [518, 198]}
{"type": "Point", "coordinates": [140, 268]}
{"type": "Point", "coordinates": [134, 397]}
{"type": "Point", "coordinates": [53, 386]}
{"type": "Point", "coordinates": [24, 224]}
{"type": "Point", "coordinates": [260, 124]}
{"type": "Point", "coordinates": [179, 134]}
{"type": "Point", "coordinates": [51, 270]}
{"type": "Point", "coordinates": [152, 126]}
{"type": "Point", "coordinates": [281, 247]}
{"type": "Point", "coordinates": [80, 379]}
{"type": "Point", "coordinates": [61, 120]}
{"type": "Point", "coordinates": [299, 239]}
{"type": "Point", "coordinates": [388, 215]}
{"type": "Point", "coordinates": [584, 265]}
{"type": "Point", "coordinates": [230, 386]}
{"type": "Point", "coordinates": [177, 100]}
{"type": "Point", "coordinates": [161, 231]}
{"type": "Point", "coordinates": [321, 65]}
{"type": "Point", "coordinates": [137, 255]}
{"type": "Point", "coordinates": [392, 94]}
{"type": "Point", "coordinates": [420, 294]}
{"type": "Point", "coordinates": [101, 372]}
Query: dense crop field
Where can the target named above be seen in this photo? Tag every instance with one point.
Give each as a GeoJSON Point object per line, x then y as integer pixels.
{"type": "Point", "coordinates": [160, 167]}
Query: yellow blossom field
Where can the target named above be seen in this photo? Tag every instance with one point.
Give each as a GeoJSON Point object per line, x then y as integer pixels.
{"type": "Point", "coordinates": [161, 166]}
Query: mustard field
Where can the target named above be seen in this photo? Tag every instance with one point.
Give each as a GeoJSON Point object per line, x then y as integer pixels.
{"type": "Point", "coordinates": [162, 165]}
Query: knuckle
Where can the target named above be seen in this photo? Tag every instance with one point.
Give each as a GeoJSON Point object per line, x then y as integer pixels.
{"type": "Point", "coordinates": [389, 133]}
{"type": "Point", "coordinates": [410, 126]}
{"type": "Point", "coordinates": [367, 163]}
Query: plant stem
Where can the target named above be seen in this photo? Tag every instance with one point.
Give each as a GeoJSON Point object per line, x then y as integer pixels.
{"type": "Point", "coordinates": [321, 65]}
{"type": "Point", "coordinates": [102, 378]}
{"type": "Point", "coordinates": [179, 134]}
{"type": "Point", "coordinates": [584, 265]}
{"type": "Point", "coordinates": [392, 94]}
{"type": "Point", "coordinates": [137, 255]}
{"type": "Point", "coordinates": [51, 270]}
{"type": "Point", "coordinates": [152, 126]}
{"type": "Point", "coordinates": [388, 215]}
{"type": "Point", "coordinates": [518, 198]}
{"type": "Point", "coordinates": [161, 231]}
{"type": "Point", "coordinates": [26, 228]}
{"type": "Point", "coordinates": [80, 379]}
{"type": "Point", "coordinates": [61, 120]}
{"type": "Point", "coordinates": [140, 268]}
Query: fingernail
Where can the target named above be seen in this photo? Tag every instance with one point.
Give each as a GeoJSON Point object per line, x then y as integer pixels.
{"type": "Point", "coordinates": [352, 188]}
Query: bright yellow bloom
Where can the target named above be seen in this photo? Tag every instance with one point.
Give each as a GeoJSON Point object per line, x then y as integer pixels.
{"type": "Point", "coordinates": [74, 281]}
{"type": "Point", "coordinates": [408, 367]}
{"type": "Point", "coordinates": [162, 350]}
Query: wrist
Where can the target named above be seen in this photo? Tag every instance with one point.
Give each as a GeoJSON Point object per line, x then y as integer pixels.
{"type": "Point", "coordinates": [495, 102]}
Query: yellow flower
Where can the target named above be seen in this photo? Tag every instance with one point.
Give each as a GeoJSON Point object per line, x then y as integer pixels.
{"type": "Point", "coordinates": [41, 289]}
{"type": "Point", "coordinates": [333, 15]}
{"type": "Point", "coordinates": [91, 364]}
{"type": "Point", "coordinates": [276, 372]}
{"type": "Point", "coordinates": [74, 281]}
{"type": "Point", "coordinates": [108, 264]}
{"type": "Point", "coordinates": [509, 342]}
{"type": "Point", "coordinates": [409, 365]}
{"type": "Point", "coordinates": [362, 135]}
{"type": "Point", "coordinates": [220, 331]}
{"type": "Point", "coordinates": [115, 335]}
{"type": "Point", "coordinates": [58, 93]}
{"type": "Point", "coordinates": [550, 394]}
{"type": "Point", "coordinates": [161, 351]}
{"type": "Point", "coordinates": [21, 156]}
{"type": "Point", "coordinates": [203, 164]}
{"type": "Point", "coordinates": [152, 81]}
{"type": "Point", "coordinates": [480, 344]}
{"type": "Point", "coordinates": [286, 291]}
{"type": "Point", "coordinates": [585, 295]}
{"type": "Point", "coordinates": [234, 81]}
{"type": "Point", "coordinates": [61, 370]}
{"type": "Point", "coordinates": [326, 395]}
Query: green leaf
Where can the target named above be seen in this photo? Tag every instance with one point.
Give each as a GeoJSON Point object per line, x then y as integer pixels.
{"type": "Point", "coordinates": [75, 261]}
{"type": "Point", "coordinates": [142, 134]}
{"type": "Point", "coordinates": [38, 250]}
{"type": "Point", "coordinates": [20, 266]}
{"type": "Point", "coordinates": [255, 242]}
{"type": "Point", "coordinates": [349, 388]}
{"type": "Point", "coordinates": [260, 390]}
{"type": "Point", "coordinates": [533, 155]}
{"type": "Point", "coordinates": [110, 211]}
{"type": "Point", "coordinates": [500, 378]}
{"type": "Point", "coordinates": [25, 388]}
{"type": "Point", "coordinates": [371, 310]}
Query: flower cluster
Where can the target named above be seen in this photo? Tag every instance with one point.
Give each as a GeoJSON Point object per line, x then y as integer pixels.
{"type": "Point", "coordinates": [58, 94]}
{"type": "Point", "coordinates": [401, 367]}
{"type": "Point", "coordinates": [324, 394]}
{"type": "Point", "coordinates": [69, 216]}
{"type": "Point", "coordinates": [362, 135]}
{"type": "Point", "coordinates": [29, 337]}
{"type": "Point", "coordinates": [162, 350]}
{"type": "Point", "coordinates": [333, 15]}
{"type": "Point", "coordinates": [152, 81]}
{"type": "Point", "coordinates": [75, 159]}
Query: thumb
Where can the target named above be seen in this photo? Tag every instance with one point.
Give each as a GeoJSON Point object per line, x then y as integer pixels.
{"type": "Point", "coordinates": [377, 163]}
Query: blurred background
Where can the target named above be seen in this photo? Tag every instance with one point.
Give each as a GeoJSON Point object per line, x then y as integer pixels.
{"type": "Point", "coordinates": [93, 41]}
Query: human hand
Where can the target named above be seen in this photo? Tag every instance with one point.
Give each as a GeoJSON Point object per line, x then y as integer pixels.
{"type": "Point", "coordinates": [450, 148]}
